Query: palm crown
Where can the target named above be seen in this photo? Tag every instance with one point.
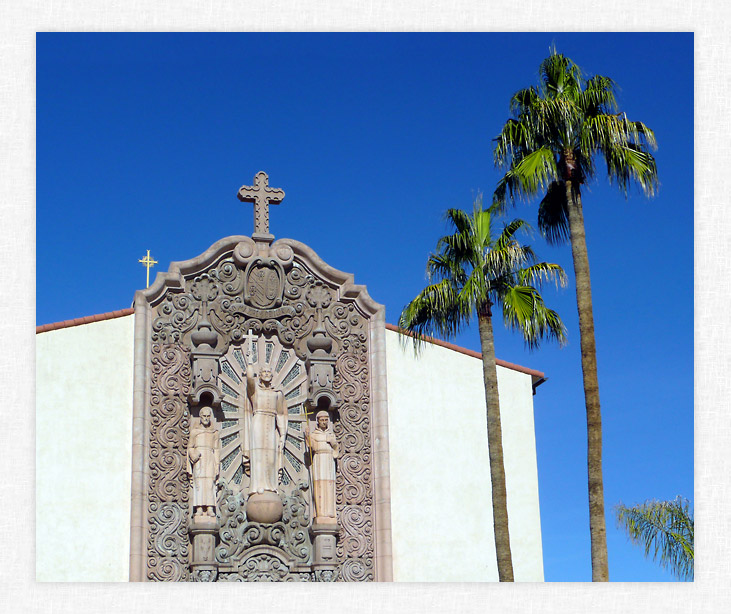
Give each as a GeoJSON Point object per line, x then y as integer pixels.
{"type": "Point", "coordinates": [549, 145]}
{"type": "Point", "coordinates": [557, 130]}
{"type": "Point", "coordinates": [472, 270]}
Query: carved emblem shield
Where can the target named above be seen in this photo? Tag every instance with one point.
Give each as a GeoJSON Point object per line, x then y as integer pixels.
{"type": "Point", "coordinates": [264, 285]}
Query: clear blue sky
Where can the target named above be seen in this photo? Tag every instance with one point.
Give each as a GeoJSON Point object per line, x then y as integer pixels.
{"type": "Point", "coordinates": [144, 139]}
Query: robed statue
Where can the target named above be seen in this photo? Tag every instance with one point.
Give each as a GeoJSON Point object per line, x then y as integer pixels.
{"type": "Point", "coordinates": [268, 428]}
{"type": "Point", "coordinates": [204, 463]}
{"type": "Point", "coordinates": [324, 447]}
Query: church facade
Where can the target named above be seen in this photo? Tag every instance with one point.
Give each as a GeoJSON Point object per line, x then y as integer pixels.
{"type": "Point", "coordinates": [254, 418]}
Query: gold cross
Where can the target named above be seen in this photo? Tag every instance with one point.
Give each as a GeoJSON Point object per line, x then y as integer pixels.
{"type": "Point", "coordinates": [148, 264]}
{"type": "Point", "coordinates": [262, 196]}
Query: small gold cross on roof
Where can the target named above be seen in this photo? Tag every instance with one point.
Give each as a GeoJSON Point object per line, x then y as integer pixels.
{"type": "Point", "coordinates": [262, 196]}
{"type": "Point", "coordinates": [148, 264]}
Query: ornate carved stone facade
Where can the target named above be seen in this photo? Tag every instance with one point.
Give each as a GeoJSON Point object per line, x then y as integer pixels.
{"type": "Point", "coordinates": [319, 335]}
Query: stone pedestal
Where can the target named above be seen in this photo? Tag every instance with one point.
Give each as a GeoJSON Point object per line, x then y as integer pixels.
{"type": "Point", "coordinates": [324, 538]}
{"type": "Point", "coordinates": [265, 507]}
{"type": "Point", "coordinates": [203, 535]}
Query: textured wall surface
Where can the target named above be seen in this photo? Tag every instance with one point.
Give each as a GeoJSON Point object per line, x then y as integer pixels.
{"type": "Point", "coordinates": [441, 503]}
{"type": "Point", "coordinates": [83, 452]}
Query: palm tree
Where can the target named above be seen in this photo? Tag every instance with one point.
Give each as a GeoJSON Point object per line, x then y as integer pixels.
{"type": "Point", "coordinates": [548, 148]}
{"type": "Point", "coordinates": [471, 271]}
{"type": "Point", "coordinates": [666, 528]}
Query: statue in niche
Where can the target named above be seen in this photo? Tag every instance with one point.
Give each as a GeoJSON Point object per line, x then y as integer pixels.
{"type": "Point", "coordinates": [204, 463]}
{"type": "Point", "coordinates": [268, 429]}
{"type": "Point", "coordinates": [324, 447]}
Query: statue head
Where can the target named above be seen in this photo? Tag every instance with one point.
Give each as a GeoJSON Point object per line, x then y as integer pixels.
{"type": "Point", "coordinates": [266, 376]}
{"type": "Point", "coordinates": [322, 418]}
{"type": "Point", "coordinates": [206, 416]}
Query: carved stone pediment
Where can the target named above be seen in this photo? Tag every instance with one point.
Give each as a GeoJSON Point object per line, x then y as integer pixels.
{"type": "Point", "coordinates": [314, 329]}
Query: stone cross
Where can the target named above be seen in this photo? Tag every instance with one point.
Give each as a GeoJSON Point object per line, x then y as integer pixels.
{"type": "Point", "coordinates": [262, 196]}
{"type": "Point", "coordinates": [250, 354]}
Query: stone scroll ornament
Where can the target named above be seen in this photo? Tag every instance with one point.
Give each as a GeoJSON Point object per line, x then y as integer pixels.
{"type": "Point", "coordinates": [249, 308]}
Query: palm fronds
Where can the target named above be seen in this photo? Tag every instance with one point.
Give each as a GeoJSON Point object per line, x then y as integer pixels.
{"type": "Point", "coordinates": [664, 529]}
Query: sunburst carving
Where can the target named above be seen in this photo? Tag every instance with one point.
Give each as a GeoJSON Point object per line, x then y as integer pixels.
{"type": "Point", "coordinates": [291, 377]}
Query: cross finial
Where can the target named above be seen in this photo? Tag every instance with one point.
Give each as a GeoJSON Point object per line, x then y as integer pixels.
{"type": "Point", "coordinates": [262, 196]}
{"type": "Point", "coordinates": [148, 264]}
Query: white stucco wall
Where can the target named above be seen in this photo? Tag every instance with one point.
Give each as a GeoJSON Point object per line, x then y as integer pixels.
{"type": "Point", "coordinates": [440, 482]}
{"type": "Point", "coordinates": [441, 506]}
{"type": "Point", "coordinates": [83, 451]}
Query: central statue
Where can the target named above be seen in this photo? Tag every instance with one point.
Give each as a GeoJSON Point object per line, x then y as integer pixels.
{"type": "Point", "coordinates": [268, 430]}
{"type": "Point", "coordinates": [267, 434]}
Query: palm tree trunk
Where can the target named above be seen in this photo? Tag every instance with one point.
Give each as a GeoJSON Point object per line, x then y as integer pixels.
{"type": "Point", "coordinates": [597, 523]}
{"type": "Point", "coordinates": [495, 447]}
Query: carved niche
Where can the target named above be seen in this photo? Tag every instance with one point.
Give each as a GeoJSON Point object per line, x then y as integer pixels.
{"type": "Point", "coordinates": [311, 328]}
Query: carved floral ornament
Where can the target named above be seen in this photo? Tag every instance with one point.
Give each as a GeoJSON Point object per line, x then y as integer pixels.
{"type": "Point", "coordinates": [284, 297]}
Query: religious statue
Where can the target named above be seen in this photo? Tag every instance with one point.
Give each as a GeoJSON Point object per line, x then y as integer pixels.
{"type": "Point", "coordinates": [268, 429]}
{"type": "Point", "coordinates": [324, 447]}
{"type": "Point", "coordinates": [204, 463]}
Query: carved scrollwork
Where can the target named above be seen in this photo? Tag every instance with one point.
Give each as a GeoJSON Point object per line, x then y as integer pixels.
{"type": "Point", "coordinates": [169, 421]}
{"type": "Point", "coordinates": [238, 536]}
{"type": "Point", "coordinates": [166, 570]}
{"type": "Point", "coordinates": [204, 288]}
{"type": "Point", "coordinates": [278, 296]}
{"type": "Point", "coordinates": [166, 541]}
{"type": "Point", "coordinates": [170, 370]}
{"type": "Point", "coordinates": [230, 577]}
{"type": "Point", "coordinates": [356, 570]}
{"type": "Point", "coordinates": [177, 316]}
{"type": "Point", "coordinates": [264, 568]}
{"type": "Point", "coordinates": [167, 477]}
{"type": "Point", "coordinates": [357, 531]}
{"type": "Point", "coordinates": [231, 512]}
{"type": "Point", "coordinates": [354, 483]}
{"type": "Point", "coordinates": [353, 490]}
{"type": "Point", "coordinates": [296, 519]}
{"type": "Point", "coordinates": [168, 547]}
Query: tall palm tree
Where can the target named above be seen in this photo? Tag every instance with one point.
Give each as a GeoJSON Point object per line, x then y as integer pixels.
{"type": "Point", "coordinates": [548, 147]}
{"type": "Point", "coordinates": [471, 271]}
{"type": "Point", "coordinates": [666, 528]}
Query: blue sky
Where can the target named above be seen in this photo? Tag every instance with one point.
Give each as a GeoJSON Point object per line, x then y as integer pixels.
{"type": "Point", "coordinates": [144, 139]}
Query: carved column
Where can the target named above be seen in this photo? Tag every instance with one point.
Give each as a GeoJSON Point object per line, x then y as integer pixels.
{"type": "Point", "coordinates": [320, 363]}
{"type": "Point", "coordinates": [324, 563]}
{"type": "Point", "coordinates": [203, 537]}
{"type": "Point", "coordinates": [205, 365]}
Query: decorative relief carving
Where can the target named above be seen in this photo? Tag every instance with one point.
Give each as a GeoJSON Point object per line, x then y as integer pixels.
{"type": "Point", "coordinates": [353, 489]}
{"type": "Point", "coordinates": [356, 570]}
{"type": "Point", "coordinates": [238, 535]}
{"type": "Point", "coordinates": [264, 284]}
{"type": "Point", "coordinates": [205, 575]}
{"type": "Point", "coordinates": [278, 297]}
{"type": "Point", "coordinates": [167, 542]}
{"type": "Point", "coordinates": [264, 568]}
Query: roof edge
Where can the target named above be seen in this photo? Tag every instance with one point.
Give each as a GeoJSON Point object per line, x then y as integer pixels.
{"type": "Point", "coordinates": [110, 315]}
{"type": "Point", "coordinates": [538, 376]}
